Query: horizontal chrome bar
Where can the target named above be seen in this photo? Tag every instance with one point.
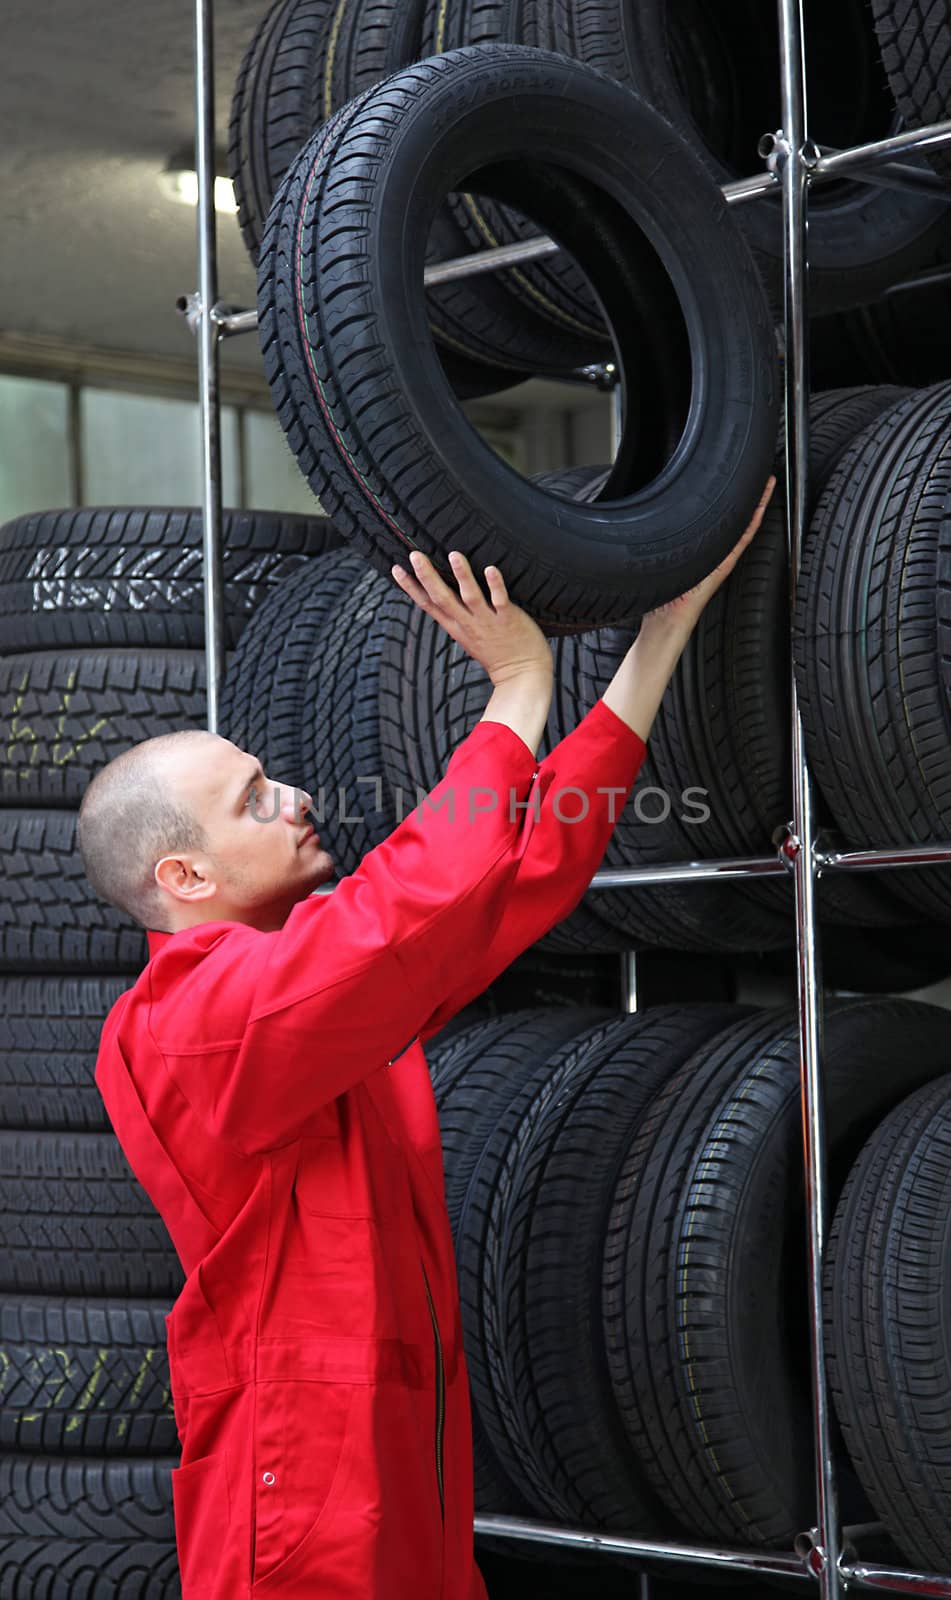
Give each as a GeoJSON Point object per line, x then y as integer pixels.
{"type": "Point", "coordinates": [763, 1561]}
{"type": "Point", "coordinates": [502, 255]}
{"type": "Point", "coordinates": [757, 866]}
{"type": "Point", "coordinates": [921, 280]}
{"type": "Point", "coordinates": [895, 175]}
{"type": "Point", "coordinates": [760, 866]}
{"type": "Point", "coordinates": [829, 165]}
{"type": "Point", "coordinates": [871, 1575]}
{"type": "Point", "coordinates": [683, 871]}
{"type": "Point", "coordinates": [749, 188]}
{"type": "Point", "coordinates": [865, 155]}
{"type": "Point", "coordinates": [918, 855]}
{"type": "Point", "coordinates": [231, 322]}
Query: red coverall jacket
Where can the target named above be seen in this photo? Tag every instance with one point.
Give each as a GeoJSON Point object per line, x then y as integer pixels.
{"type": "Point", "coordinates": [270, 1093]}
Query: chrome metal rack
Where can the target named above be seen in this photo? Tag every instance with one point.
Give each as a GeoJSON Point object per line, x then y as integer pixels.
{"type": "Point", "coordinates": [824, 1553]}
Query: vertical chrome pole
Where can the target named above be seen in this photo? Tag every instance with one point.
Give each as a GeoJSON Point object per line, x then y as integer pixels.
{"type": "Point", "coordinates": [207, 333]}
{"type": "Point", "coordinates": [617, 417]}
{"type": "Point", "coordinates": [825, 1552]}
{"type": "Point", "coordinates": [628, 980]}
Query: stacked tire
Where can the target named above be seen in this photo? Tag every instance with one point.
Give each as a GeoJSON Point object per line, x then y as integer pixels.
{"type": "Point", "coordinates": [102, 641]}
{"type": "Point", "coordinates": [886, 1304]}
{"type": "Point", "coordinates": [871, 639]}
{"type": "Point", "coordinates": [380, 438]}
{"type": "Point", "coordinates": [344, 686]}
{"type": "Point", "coordinates": [377, 431]}
{"type": "Point", "coordinates": [662, 1384]}
{"type": "Point", "coordinates": [645, 1393]}
{"type": "Point", "coordinates": [713, 74]}
{"type": "Point", "coordinates": [101, 646]}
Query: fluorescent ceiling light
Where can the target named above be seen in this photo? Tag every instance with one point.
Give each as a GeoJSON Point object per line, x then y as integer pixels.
{"type": "Point", "coordinates": [181, 183]}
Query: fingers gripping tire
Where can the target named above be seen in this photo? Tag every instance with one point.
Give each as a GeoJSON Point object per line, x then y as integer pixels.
{"type": "Point", "coordinates": [363, 398]}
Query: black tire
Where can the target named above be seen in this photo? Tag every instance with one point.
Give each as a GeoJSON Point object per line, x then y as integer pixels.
{"type": "Point", "coordinates": [50, 920]}
{"type": "Point", "coordinates": [124, 1571]}
{"type": "Point", "coordinates": [103, 1529]}
{"type": "Point", "coordinates": [724, 721]}
{"type": "Point", "coordinates": [58, 1352]}
{"type": "Point", "coordinates": [476, 1079]}
{"type": "Point", "coordinates": [106, 576]}
{"type": "Point", "coordinates": [49, 1040]}
{"type": "Point", "coordinates": [472, 1081]}
{"type": "Point", "coordinates": [373, 38]}
{"type": "Point", "coordinates": [723, 727]}
{"type": "Point", "coordinates": [74, 1219]}
{"type": "Point", "coordinates": [585, 929]}
{"type": "Point", "coordinates": [544, 1334]}
{"type": "Point", "coordinates": [887, 1273]}
{"type": "Point", "coordinates": [431, 695]}
{"type": "Point", "coordinates": [704, 1270]}
{"type": "Point", "coordinates": [71, 713]}
{"type": "Point", "coordinates": [308, 60]}
{"type": "Point", "coordinates": [704, 915]}
{"type": "Point", "coordinates": [92, 1505]}
{"type": "Point", "coordinates": [866, 649]}
{"type": "Point", "coordinates": [340, 733]}
{"type": "Point", "coordinates": [553, 285]}
{"type": "Point", "coordinates": [471, 1238]}
{"type": "Point", "coordinates": [861, 239]}
{"type": "Point", "coordinates": [360, 392]}
{"type": "Point", "coordinates": [262, 697]}
{"type": "Point", "coordinates": [914, 40]}
{"type": "Point", "coordinates": [276, 106]}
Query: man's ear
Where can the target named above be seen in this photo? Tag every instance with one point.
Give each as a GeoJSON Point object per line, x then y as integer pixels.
{"type": "Point", "coordinates": [185, 877]}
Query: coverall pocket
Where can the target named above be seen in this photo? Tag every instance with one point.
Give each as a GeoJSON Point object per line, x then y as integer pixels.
{"type": "Point", "coordinates": [362, 1179]}
{"type": "Point", "coordinates": [298, 1473]}
{"type": "Point", "coordinates": [202, 1511]}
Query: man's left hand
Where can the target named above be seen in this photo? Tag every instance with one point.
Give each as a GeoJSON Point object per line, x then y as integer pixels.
{"type": "Point", "coordinates": [683, 613]}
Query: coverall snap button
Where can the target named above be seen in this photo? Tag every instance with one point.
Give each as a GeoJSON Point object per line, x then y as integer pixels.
{"type": "Point", "coordinates": [267, 1477]}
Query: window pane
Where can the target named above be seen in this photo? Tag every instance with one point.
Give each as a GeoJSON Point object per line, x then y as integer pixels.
{"type": "Point", "coordinates": [145, 450]}
{"type": "Point", "coordinates": [34, 459]}
{"type": "Point", "coordinates": [274, 480]}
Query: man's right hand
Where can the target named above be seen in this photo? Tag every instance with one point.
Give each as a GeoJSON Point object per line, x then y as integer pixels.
{"type": "Point", "coordinates": [500, 636]}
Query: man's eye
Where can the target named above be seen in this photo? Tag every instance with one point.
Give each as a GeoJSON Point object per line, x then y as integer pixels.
{"type": "Point", "coordinates": [252, 799]}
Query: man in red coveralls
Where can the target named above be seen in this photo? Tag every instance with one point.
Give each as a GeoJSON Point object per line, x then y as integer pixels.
{"type": "Point", "coordinates": [266, 1079]}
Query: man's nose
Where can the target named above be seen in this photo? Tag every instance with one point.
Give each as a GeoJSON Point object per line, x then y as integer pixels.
{"type": "Point", "coordinates": [297, 799]}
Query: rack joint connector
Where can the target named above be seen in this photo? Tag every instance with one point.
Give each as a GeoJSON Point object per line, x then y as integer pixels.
{"type": "Point", "coordinates": [809, 1547]}
{"type": "Point", "coordinates": [788, 844]}
{"type": "Point", "coordinates": [775, 149]}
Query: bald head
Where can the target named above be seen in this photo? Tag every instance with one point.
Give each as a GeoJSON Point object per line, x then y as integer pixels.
{"type": "Point", "coordinates": [134, 812]}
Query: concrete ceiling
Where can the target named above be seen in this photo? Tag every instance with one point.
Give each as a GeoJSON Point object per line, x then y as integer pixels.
{"type": "Point", "coordinates": [95, 100]}
{"type": "Point", "coordinates": [93, 254]}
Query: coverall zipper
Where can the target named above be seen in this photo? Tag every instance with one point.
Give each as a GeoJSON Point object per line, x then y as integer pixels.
{"type": "Point", "coordinates": [440, 1397]}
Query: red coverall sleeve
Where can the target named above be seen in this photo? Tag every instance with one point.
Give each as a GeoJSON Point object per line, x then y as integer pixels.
{"type": "Point", "coordinates": [348, 981]}
{"type": "Point", "coordinates": [566, 848]}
